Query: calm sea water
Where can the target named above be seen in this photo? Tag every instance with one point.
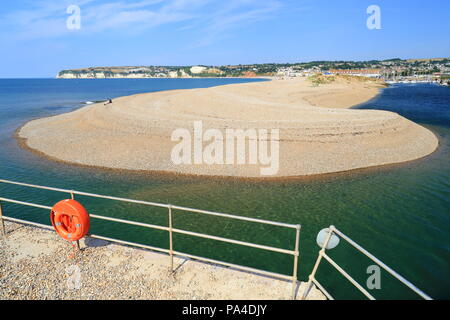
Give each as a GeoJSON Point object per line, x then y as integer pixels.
{"type": "Point", "coordinates": [400, 213]}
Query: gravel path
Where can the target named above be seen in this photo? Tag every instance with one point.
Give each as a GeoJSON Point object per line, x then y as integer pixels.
{"type": "Point", "coordinates": [36, 264]}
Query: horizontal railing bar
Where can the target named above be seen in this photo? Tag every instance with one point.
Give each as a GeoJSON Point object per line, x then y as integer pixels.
{"type": "Point", "coordinates": [35, 186]}
{"type": "Point", "coordinates": [90, 235]}
{"type": "Point", "coordinates": [181, 254]}
{"type": "Point", "coordinates": [322, 289]}
{"type": "Point", "coordinates": [225, 215]}
{"type": "Point", "coordinates": [40, 225]}
{"type": "Point", "coordinates": [85, 193]}
{"type": "Point", "coordinates": [128, 243]}
{"type": "Point", "coordinates": [141, 224]}
{"type": "Point", "coordinates": [91, 215]}
{"type": "Point", "coordinates": [383, 265]}
{"type": "Point", "coordinates": [349, 278]}
{"type": "Point", "coordinates": [94, 195]}
{"type": "Point", "coordinates": [152, 226]}
{"type": "Point", "coordinates": [231, 265]}
{"type": "Point", "coordinates": [26, 203]}
{"type": "Point", "coordinates": [243, 243]}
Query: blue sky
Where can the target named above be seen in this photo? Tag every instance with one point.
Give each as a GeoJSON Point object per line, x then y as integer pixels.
{"type": "Point", "coordinates": [35, 41]}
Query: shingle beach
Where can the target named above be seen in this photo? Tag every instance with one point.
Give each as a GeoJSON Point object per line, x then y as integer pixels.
{"type": "Point", "coordinates": [317, 132]}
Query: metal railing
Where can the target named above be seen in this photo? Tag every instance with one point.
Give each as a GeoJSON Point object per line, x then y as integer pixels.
{"type": "Point", "coordinates": [170, 229]}
{"type": "Point", "coordinates": [312, 278]}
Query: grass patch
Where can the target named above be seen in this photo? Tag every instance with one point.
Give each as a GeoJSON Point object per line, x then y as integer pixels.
{"type": "Point", "coordinates": [319, 79]}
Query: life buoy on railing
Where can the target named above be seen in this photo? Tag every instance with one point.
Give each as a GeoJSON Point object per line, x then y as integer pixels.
{"type": "Point", "coordinates": [70, 219]}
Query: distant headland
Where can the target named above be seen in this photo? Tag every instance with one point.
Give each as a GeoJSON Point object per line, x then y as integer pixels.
{"type": "Point", "coordinates": [385, 69]}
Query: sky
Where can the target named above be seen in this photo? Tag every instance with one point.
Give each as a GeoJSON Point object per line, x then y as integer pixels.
{"type": "Point", "coordinates": [36, 41]}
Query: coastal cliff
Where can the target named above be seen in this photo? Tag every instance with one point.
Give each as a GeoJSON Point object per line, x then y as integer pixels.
{"type": "Point", "coordinates": [141, 72]}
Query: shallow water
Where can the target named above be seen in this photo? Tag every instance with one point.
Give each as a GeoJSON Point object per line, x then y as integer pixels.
{"type": "Point", "coordinates": [400, 213]}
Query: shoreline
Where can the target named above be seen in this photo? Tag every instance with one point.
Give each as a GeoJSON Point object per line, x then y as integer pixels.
{"type": "Point", "coordinates": [21, 142]}
{"type": "Point", "coordinates": [320, 95]}
{"type": "Point", "coordinates": [256, 77]}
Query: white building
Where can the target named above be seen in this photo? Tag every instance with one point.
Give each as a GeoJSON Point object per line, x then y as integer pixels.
{"type": "Point", "coordinates": [197, 69]}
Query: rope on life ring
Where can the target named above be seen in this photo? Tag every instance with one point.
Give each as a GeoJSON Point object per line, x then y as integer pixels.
{"type": "Point", "coordinates": [70, 219]}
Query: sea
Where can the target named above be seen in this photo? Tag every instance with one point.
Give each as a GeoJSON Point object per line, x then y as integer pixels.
{"type": "Point", "coordinates": [400, 213]}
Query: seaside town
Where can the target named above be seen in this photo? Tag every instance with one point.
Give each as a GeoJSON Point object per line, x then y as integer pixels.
{"type": "Point", "coordinates": [392, 70]}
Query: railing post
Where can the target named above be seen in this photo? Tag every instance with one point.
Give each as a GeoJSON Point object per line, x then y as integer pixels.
{"type": "Point", "coordinates": [170, 238]}
{"type": "Point", "coordinates": [296, 252]}
{"type": "Point", "coordinates": [316, 266]}
{"type": "Point", "coordinates": [2, 223]}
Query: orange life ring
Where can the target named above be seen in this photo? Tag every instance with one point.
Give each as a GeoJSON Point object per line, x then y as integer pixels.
{"type": "Point", "coordinates": [70, 219]}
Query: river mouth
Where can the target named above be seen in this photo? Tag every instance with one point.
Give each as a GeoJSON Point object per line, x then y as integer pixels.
{"type": "Point", "coordinates": [399, 213]}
